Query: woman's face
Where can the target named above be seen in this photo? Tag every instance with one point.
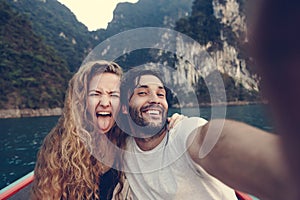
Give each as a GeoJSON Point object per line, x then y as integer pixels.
{"type": "Point", "coordinates": [104, 100]}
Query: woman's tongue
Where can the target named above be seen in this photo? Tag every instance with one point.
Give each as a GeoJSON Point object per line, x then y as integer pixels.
{"type": "Point", "coordinates": [104, 122]}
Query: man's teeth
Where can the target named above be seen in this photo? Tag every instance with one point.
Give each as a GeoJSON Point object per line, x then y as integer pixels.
{"type": "Point", "coordinates": [103, 113]}
{"type": "Point", "coordinates": [153, 112]}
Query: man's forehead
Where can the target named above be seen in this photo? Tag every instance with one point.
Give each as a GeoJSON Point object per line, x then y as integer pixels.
{"type": "Point", "coordinates": [145, 80]}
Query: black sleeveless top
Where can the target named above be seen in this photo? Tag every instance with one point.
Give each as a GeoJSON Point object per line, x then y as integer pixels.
{"type": "Point", "coordinates": [108, 182]}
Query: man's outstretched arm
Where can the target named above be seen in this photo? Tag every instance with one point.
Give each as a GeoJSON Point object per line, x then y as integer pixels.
{"type": "Point", "coordinates": [243, 157]}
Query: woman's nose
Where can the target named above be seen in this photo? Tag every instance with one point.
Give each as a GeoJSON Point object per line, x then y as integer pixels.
{"type": "Point", "coordinates": [104, 101]}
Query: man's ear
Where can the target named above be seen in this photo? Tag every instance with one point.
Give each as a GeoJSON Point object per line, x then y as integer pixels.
{"type": "Point", "coordinates": [124, 110]}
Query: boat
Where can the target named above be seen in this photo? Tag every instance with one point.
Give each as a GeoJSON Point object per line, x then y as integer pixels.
{"type": "Point", "coordinates": [19, 190]}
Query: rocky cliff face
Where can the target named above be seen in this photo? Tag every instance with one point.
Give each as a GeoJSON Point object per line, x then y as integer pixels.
{"type": "Point", "coordinates": [228, 60]}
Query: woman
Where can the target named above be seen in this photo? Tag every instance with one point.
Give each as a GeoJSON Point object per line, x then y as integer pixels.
{"type": "Point", "coordinates": [66, 167]}
{"type": "Point", "coordinates": [76, 161]}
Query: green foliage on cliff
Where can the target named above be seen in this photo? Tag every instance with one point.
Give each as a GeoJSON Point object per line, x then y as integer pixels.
{"type": "Point", "coordinates": [58, 27]}
{"type": "Point", "coordinates": [32, 75]}
{"type": "Point", "coordinates": [202, 25]}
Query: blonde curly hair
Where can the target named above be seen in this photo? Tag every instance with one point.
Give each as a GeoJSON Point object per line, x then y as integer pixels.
{"type": "Point", "coordinates": [66, 167]}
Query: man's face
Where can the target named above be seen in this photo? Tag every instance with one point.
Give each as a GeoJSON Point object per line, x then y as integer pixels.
{"type": "Point", "coordinates": [148, 106]}
{"type": "Point", "coordinates": [104, 100]}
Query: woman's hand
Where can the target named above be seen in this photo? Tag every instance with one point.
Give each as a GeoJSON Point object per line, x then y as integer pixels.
{"type": "Point", "coordinates": [175, 119]}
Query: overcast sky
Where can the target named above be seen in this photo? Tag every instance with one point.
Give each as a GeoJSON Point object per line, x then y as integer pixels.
{"type": "Point", "coordinates": [94, 14]}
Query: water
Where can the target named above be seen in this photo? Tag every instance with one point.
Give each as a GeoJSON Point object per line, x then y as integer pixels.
{"type": "Point", "coordinates": [255, 115]}
{"type": "Point", "coordinates": [21, 138]}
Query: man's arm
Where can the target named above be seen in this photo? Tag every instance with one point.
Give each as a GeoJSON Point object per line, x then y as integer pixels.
{"type": "Point", "coordinates": [244, 157]}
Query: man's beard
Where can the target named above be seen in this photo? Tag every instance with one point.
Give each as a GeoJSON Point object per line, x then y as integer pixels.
{"type": "Point", "coordinates": [147, 128]}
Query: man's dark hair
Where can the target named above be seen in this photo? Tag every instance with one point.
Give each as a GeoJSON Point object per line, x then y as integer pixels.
{"type": "Point", "coordinates": [132, 78]}
{"type": "Point", "coordinates": [129, 82]}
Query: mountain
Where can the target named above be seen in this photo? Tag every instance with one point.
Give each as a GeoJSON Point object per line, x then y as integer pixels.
{"type": "Point", "coordinates": [56, 44]}
{"type": "Point", "coordinates": [32, 75]}
{"type": "Point", "coordinates": [71, 39]}
{"type": "Point", "coordinates": [220, 27]}
{"type": "Point", "coordinates": [59, 28]}
{"type": "Point", "coordinates": [42, 39]}
{"type": "Point", "coordinates": [148, 13]}
{"type": "Point", "coordinates": [144, 13]}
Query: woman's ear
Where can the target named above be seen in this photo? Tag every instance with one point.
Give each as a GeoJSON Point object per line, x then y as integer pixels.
{"type": "Point", "coordinates": [124, 110]}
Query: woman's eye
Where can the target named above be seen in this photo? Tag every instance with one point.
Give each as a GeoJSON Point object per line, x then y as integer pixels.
{"type": "Point", "coordinates": [94, 94]}
{"type": "Point", "coordinates": [161, 94]}
{"type": "Point", "coordinates": [115, 95]}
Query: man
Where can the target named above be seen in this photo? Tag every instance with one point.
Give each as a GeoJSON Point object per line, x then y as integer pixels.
{"type": "Point", "coordinates": [166, 165]}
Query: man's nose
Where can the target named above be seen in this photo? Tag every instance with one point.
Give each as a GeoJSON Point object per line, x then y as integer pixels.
{"type": "Point", "coordinates": [153, 98]}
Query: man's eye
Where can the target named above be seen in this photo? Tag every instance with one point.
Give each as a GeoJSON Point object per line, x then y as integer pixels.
{"type": "Point", "coordinates": [142, 93]}
{"type": "Point", "coordinates": [161, 94]}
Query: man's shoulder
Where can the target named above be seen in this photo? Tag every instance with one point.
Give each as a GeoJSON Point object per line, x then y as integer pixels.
{"type": "Point", "coordinates": [188, 125]}
{"type": "Point", "coordinates": [128, 142]}
{"type": "Point", "coordinates": [191, 122]}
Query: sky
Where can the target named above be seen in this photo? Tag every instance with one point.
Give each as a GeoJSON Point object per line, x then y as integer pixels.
{"type": "Point", "coordinates": [94, 14]}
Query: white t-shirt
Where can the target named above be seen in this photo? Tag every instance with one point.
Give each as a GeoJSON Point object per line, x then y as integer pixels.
{"type": "Point", "coordinates": [168, 172]}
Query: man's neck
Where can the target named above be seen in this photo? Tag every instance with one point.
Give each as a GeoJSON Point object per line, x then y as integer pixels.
{"type": "Point", "coordinates": [147, 144]}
